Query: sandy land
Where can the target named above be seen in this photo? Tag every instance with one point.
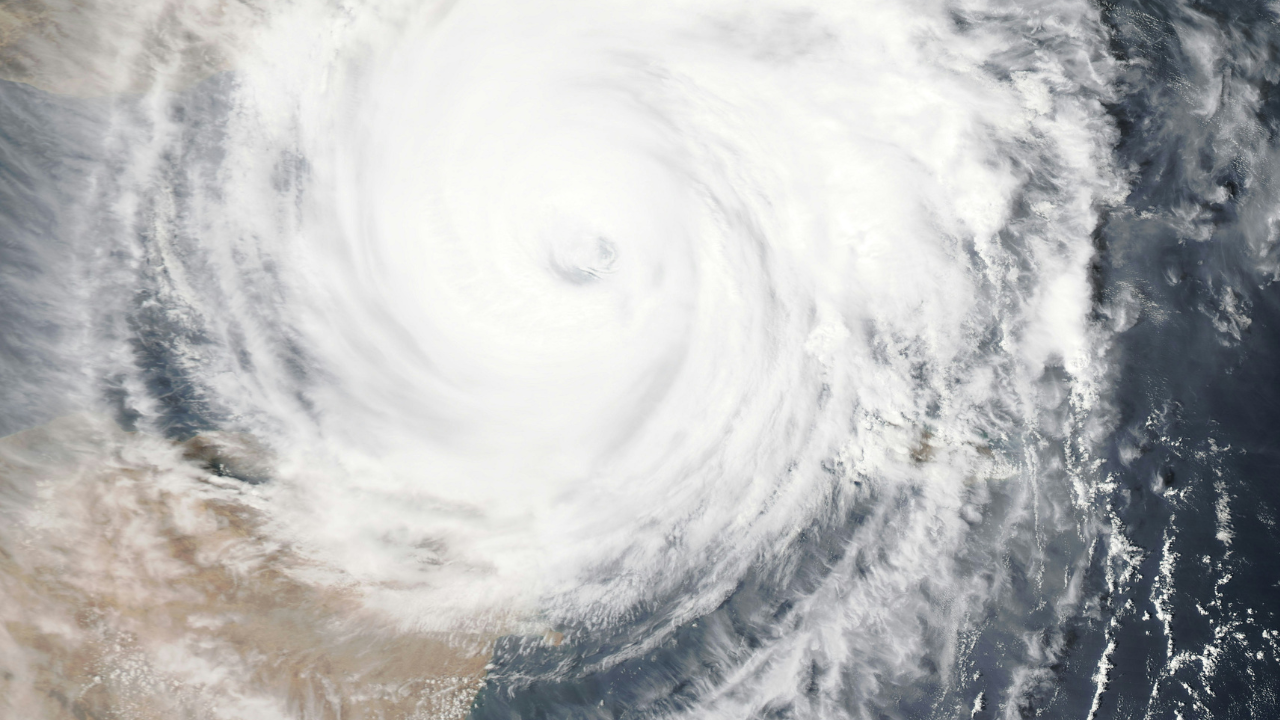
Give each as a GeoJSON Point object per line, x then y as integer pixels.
{"type": "Point", "coordinates": [134, 583]}
{"type": "Point", "coordinates": [92, 48]}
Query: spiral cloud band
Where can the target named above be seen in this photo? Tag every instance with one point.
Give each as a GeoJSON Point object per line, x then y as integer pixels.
{"type": "Point", "coordinates": [756, 352]}
{"type": "Point", "coordinates": [602, 288]}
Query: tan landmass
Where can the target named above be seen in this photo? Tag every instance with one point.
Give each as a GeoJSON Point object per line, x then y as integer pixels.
{"type": "Point", "coordinates": [136, 585]}
{"type": "Point", "coordinates": [93, 48]}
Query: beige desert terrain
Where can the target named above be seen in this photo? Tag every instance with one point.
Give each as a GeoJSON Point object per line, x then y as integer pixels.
{"type": "Point", "coordinates": [92, 48]}
{"type": "Point", "coordinates": [135, 584]}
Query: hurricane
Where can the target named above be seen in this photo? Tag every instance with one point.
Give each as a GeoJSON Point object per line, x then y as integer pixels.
{"type": "Point", "coordinates": [485, 359]}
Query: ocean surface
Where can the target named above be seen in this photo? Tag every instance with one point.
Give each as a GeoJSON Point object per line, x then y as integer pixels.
{"type": "Point", "coordinates": [690, 359]}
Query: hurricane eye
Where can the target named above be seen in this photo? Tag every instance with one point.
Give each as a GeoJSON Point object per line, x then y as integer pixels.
{"type": "Point", "coordinates": [584, 262]}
